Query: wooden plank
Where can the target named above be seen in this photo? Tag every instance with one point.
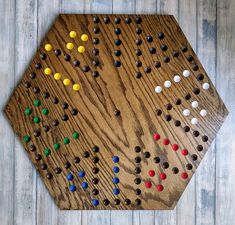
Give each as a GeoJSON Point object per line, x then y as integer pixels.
{"type": "Point", "coordinates": [205, 175]}
{"type": "Point", "coordinates": [25, 174]}
{"type": "Point", "coordinates": [146, 217]}
{"type": "Point", "coordinates": [168, 7]}
{"type": "Point", "coordinates": [187, 21]}
{"type": "Point", "coordinates": [143, 217]}
{"type": "Point", "coordinates": [146, 7]}
{"type": "Point", "coordinates": [47, 211]}
{"type": "Point", "coordinates": [98, 6]}
{"type": "Point", "coordinates": [96, 217]}
{"type": "Point", "coordinates": [164, 217]}
{"type": "Point", "coordinates": [7, 188]}
{"type": "Point", "coordinates": [47, 13]}
{"type": "Point", "coordinates": [225, 152]}
{"type": "Point", "coordinates": [72, 216]}
{"type": "Point", "coordinates": [124, 7]}
{"type": "Point", "coordinates": [73, 6]}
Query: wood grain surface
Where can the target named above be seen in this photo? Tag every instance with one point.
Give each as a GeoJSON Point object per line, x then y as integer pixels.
{"type": "Point", "coordinates": [24, 197]}
{"type": "Point", "coordinates": [116, 89]}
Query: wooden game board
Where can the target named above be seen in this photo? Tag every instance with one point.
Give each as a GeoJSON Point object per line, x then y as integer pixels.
{"type": "Point", "coordinates": [115, 111]}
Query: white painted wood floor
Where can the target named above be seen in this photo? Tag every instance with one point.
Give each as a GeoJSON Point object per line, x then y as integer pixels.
{"type": "Point", "coordinates": [210, 197]}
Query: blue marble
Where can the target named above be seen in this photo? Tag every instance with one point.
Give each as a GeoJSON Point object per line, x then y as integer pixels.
{"type": "Point", "coordinates": [116, 169]}
{"type": "Point", "coordinates": [70, 176]}
{"type": "Point", "coordinates": [116, 191]}
{"type": "Point", "coordinates": [116, 180]}
{"type": "Point", "coordinates": [81, 173]}
{"type": "Point", "coordinates": [95, 202]}
{"type": "Point", "coordinates": [84, 185]}
{"type": "Point", "coordinates": [72, 188]}
{"type": "Point", "coordinates": [115, 159]}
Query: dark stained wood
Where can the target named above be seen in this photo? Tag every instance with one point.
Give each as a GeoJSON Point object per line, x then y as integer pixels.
{"type": "Point", "coordinates": [116, 88]}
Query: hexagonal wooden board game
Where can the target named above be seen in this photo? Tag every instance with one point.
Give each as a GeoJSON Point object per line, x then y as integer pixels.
{"type": "Point", "coordinates": [115, 111]}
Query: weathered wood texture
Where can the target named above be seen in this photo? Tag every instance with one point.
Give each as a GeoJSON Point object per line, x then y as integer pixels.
{"type": "Point", "coordinates": [213, 205]}
{"type": "Point", "coordinates": [187, 21]}
{"type": "Point", "coordinates": [7, 187]}
{"type": "Point", "coordinates": [25, 186]}
{"type": "Point", "coordinates": [206, 50]}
